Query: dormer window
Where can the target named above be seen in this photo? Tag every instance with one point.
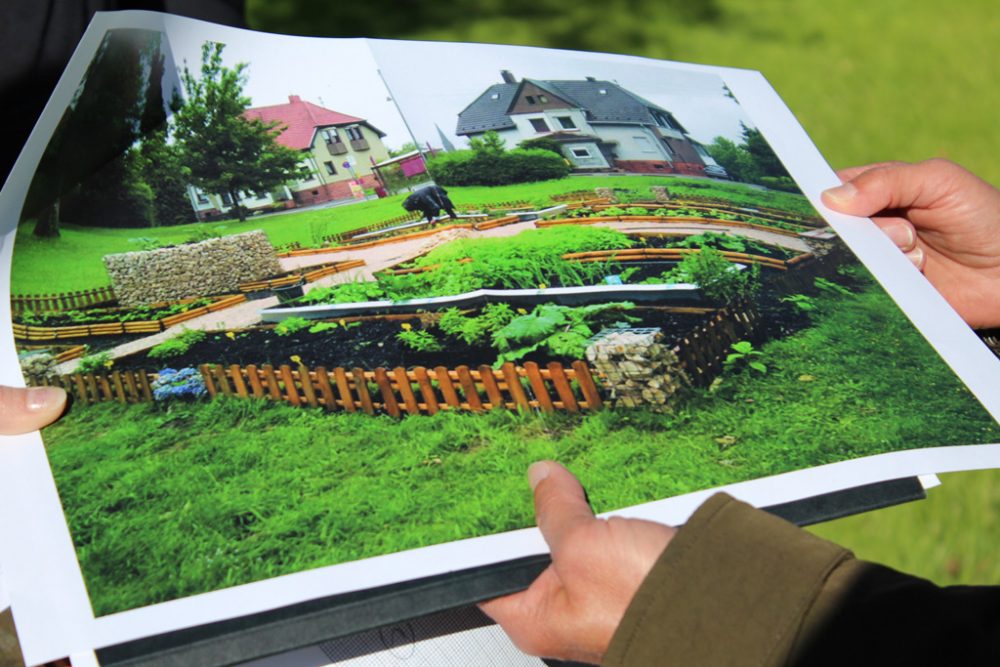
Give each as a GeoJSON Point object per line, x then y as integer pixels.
{"type": "Point", "coordinates": [539, 124]}
{"type": "Point", "coordinates": [530, 99]}
{"type": "Point", "coordinates": [495, 96]}
{"type": "Point", "coordinates": [602, 91]}
{"type": "Point", "coordinates": [542, 99]}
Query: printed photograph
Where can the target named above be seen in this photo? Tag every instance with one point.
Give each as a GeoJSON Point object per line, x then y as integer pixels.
{"type": "Point", "coordinates": [312, 311]}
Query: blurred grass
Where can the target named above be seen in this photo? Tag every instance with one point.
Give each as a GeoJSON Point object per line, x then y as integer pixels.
{"type": "Point", "coordinates": [885, 79]}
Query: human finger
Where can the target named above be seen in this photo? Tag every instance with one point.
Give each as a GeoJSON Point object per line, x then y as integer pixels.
{"type": "Point", "coordinates": [850, 173]}
{"type": "Point", "coordinates": [894, 187]}
{"type": "Point", "coordinates": [29, 409]}
{"type": "Point", "coordinates": [560, 503]}
{"type": "Point", "coordinates": [899, 230]}
{"type": "Point", "coordinates": [526, 616]}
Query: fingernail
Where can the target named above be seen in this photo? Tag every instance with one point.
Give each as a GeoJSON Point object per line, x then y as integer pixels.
{"type": "Point", "coordinates": [842, 193]}
{"type": "Point", "coordinates": [41, 398]}
{"type": "Point", "coordinates": [902, 235]}
{"type": "Point", "coordinates": [537, 471]}
{"type": "Point", "coordinates": [917, 257]}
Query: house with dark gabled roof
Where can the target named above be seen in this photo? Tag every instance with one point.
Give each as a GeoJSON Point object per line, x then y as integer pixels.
{"type": "Point", "coordinates": [599, 125]}
{"type": "Point", "coordinates": [336, 148]}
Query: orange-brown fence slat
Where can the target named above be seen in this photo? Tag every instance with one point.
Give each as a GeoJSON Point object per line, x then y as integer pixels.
{"type": "Point", "coordinates": [130, 388]}
{"type": "Point", "coordinates": [291, 392]}
{"type": "Point", "coordinates": [325, 388]}
{"type": "Point", "coordinates": [116, 381]}
{"type": "Point", "coordinates": [344, 388]}
{"type": "Point", "coordinates": [563, 389]}
{"type": "Point", "coordinates": [426, 390]}
{"type": "Point", "coordinates": [587, 386]}
{"type": "Point", "coordinates": [220, 377]}
{"type": "Point", "coordinates": [81, 389]}
{"type": "Point", "coordinates": [469, 388]}
{"type": "Point", "coordinates": [105, 386]}
{"type": "Point", "coordinates": [489, 382]}
{"type": "Point", "coordinates": [207, 376]}
{"type": "Point", "coordinates": [271, 380]}
{"type": "Point", "coordinates": [388, 396]}
{"type": "Point", "coordinates": [239, 386]}
{"type": "Point", "coordinates": [308, 388]}
{"type": "Point", "coordinates": [253, 378]}
{"type": "Point", "coordinates": [361, 386]}
{"type": "Point", "coordinates": [448, 392]}
{"type": "Point", "coordinates": [538, 386]}
{"type": "Point", "coordinates": [514, 387]}
{"type": "Point", "coordinates": [405, 390]}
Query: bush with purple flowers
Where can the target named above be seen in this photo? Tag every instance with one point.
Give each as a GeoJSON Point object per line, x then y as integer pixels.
{"type": "Point", "coordinates": [185, 383]}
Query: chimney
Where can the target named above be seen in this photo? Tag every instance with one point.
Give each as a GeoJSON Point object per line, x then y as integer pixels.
{"type": "Point", "coordinates": [590, 78]}
{"type": "Point", "coordinates": [507, 77]}
{"type": "Point", "coordinates": [294, 99]}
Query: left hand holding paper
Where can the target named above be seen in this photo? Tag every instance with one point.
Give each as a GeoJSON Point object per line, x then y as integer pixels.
{"type": "Point", "coordinates": [29, 409]}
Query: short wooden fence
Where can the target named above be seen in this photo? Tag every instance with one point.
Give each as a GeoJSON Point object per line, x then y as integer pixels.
{"type": "Point", "coordinates": [593, 220]}
{"type": "Point", "coordinates": [31, 332]}
{"type": "Point", "coordinates": [373, 244]}
{"type": "Point", "coordinates": [703, 351]}
{"type": "Point", "coordinates": [399, 391]}
{"type": "Point", "coordinates": [743, 213]}
{"type": "Point", "coordinates": [90, 388]}
{"type": "Point", "coordinates": [675, 254]}
{"type": "Point", "coordinates": [305, 277]}
{"type": "Point", "coordinates": [41, 303]}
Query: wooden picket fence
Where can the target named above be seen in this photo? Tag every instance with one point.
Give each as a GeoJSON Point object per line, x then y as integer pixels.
{"type": "Point", "coordinates": [31, 332]}
{"type": "Point", "coordinates": [47, 303]}
{"type": "Point", "coordinates": [305, 276]}
{"type": "Point", "coordinates": [704, 350]}
{"type": "Point", "coordinates": [676, 254]}
{"type": "Point", "coordinates": [90, 388]}
{"type": "Point", "coordinates": [399, 391]}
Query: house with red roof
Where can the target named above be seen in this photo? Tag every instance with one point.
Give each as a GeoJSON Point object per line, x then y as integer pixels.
{"type": "Point", "coordinates": [338, 150]}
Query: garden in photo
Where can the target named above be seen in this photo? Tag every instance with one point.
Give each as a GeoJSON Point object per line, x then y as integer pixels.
{"type": "Point", "coordinates": [261, 394]}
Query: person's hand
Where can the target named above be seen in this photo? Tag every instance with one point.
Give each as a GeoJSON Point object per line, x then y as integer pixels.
{"type": "Point", "coordinates": [573, 608]}
{"type": "Point", "coordinates": [25, 410]}
{"type": "Point", "coordinates": [946, 220]}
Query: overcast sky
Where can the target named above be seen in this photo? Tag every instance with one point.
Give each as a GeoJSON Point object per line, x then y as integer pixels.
{"type": "Point", "coordinates": [433, 81]}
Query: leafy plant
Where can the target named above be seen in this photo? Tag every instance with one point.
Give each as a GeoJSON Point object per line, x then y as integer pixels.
{"type": "Point", "coordinates": [562, 331]}
{"type": "Point", "coordinates": [715, 276]}
{"type": "Point", "coordinates": [830, 286]}
{"type": "Point", "coordinates": [420, 340]}
{"type": "Point", "coordinates": [803, 302]}
{"type": "Point", "coordinates": [636, 210]}
{"type": "Point", "coordinates": [186, 383]}
{"type": "Point", "coordinates": [613, 211]}
{"type": "Point", "coordinates": [177, 345]}
{"type": "Point", "coordinates": [95, 363]}
{"type": "Point", "coordinates": [744, 355]}
{"type": "Point", "coordinates": [292, 325]}
{"type": "Point", "coordinates": [471, 329]}
{"type": "Point", "coordinates": [320, 327]}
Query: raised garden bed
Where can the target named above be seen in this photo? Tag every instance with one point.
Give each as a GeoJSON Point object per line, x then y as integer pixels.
{"type": "Point", "coordinates": [118, 321]}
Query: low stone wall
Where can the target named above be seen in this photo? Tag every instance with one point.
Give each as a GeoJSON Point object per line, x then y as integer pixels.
{"type": "Point", "coordinates": [215, 266]}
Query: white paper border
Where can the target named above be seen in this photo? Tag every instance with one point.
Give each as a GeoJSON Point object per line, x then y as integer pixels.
{"type": "Point", "coordinates": [43, 577]}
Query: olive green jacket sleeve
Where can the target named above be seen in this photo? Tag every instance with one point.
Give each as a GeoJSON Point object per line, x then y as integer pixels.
{"type": "Point", "coordinates": [738, 586]}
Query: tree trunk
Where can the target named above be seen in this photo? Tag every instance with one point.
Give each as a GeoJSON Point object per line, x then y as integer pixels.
{"type": "Point", "coordinates": [47, 224]}
{"type": "Point", "coordinates": [241, 212]}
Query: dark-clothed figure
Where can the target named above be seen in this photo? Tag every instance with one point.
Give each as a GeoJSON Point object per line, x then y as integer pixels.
{"type": "Point", "coordinates": [430, 201]}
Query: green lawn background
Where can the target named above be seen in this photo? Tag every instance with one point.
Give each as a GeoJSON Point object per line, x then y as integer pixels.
{"type": "Point", "coordinates": [870, 81]}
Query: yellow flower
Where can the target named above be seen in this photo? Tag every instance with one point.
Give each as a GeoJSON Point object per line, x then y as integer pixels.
{"type": "Point", "coordinates": [297, 359]}
{"type": "Point", "coordinates": [231, 335]}
{"type": "Point", "coordinates": [522, 311]}
{"type": "Point", "coordinates": [406, 326]}
{"type": "Point", "coordinates": [109, 363]}
{"type": "Point", "coordinates": [343, 323]}
{"type": "Point", "coordinates": [542, 286]}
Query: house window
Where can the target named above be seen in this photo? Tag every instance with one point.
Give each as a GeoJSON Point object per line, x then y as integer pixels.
{"type": "Point", "coordinates": [202, 199]}
{"type": "Point", "coordinates": [603, 91]}
{"type": "Point", "coordinates": [583, 151]}
{"type": "Point", "coordinates": [644, 144]}
{"type": "Point", "coordinates": [530, 99]}
{"type": "Point", "coordinates": [539, 124]}
{"type": "Point", "coordinates": [542, 99]}
{"type": "Point", "coordinates": [227, 199]}
{"type": "Point", "coordinates": [495, 96]}
{"type": "Point", "coordinates": [331, 135]}
{"type": "Point", "coordinates": [330, 169]}
{"type": "Point", "coordinates": [354, 133]}
{"type": "Point", "coordinates": [566, 122]}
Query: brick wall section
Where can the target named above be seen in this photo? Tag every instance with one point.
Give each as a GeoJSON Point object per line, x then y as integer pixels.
{"type": "Point", "coordinates": [661, 167]}
{"type": "Point", "coordinates": [330, 191]}
{"type": "Point", "coordinates": [215, 266]}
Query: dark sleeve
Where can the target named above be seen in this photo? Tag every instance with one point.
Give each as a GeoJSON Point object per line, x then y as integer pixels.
{"type": "Point", "coordinates": [738, 586]}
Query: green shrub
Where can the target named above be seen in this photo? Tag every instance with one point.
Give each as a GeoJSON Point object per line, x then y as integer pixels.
{"type": "Point", "coordinates": [292, 325]}
{"type": "Point", "coordinates": [420, 340]}
{"type": "Point", "coordinates": [521, 165]}
{"type": "Point", "coordinates": [783, 183]}
{"type": "Point", "coordinates": [177, 345]}
{"type": "Point", "coordinates": [95, 363]}
{"type": "Point", "coordinates": [715, 276]}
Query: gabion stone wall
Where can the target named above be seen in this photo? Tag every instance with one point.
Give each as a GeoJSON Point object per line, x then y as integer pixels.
{"type": "Point", "coordinates": [215, 266]}
{"type": "Point", "coordinates": [637, 367]}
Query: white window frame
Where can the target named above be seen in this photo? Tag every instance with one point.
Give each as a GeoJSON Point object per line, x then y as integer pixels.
{"type": "Point", "coordinates": [585, 152]}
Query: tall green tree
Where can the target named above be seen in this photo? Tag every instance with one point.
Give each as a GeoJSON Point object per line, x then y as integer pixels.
{"type": "Point", "coordinates": [87, 163]}
{"type": "Point", "coordinates": [220, 149]}
{"type": "Point", "coordinates": [763, 155]}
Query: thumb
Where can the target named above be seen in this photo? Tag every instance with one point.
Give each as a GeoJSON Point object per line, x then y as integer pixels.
{"type": "Point", "coordinates": [560, 503]}
{"type": "Point", "coordinates": [25, 410]}
{"type": "Point", "coordinates": [891, 186]}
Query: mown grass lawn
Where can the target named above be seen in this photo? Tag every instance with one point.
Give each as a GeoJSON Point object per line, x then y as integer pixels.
{"type": "Point", "coordinates": [169, 501]}
{"type": "Point", "coordinates": [73, 261]}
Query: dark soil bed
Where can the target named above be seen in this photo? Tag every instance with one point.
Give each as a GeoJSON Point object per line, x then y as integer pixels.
{"type": "Point", "coordinates": [370, 344]}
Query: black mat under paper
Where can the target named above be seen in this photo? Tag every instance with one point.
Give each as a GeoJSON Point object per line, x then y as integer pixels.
{"type": "Point", "coordinates": [317, 621]}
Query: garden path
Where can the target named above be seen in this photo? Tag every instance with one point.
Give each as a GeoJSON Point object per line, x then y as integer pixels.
{"type": "Point", "coordinates": [390, 254]}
